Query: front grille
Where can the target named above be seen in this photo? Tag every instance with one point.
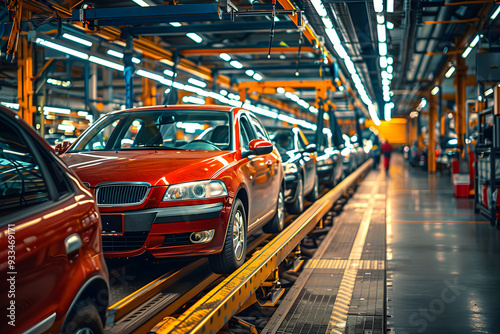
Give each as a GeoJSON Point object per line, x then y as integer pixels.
{"type": "Point", "coordinates": [127, 242]}
{"type": "Point", "coordinates": [121, 194]}
{"type": "Point", "coordinates": [176, 239]}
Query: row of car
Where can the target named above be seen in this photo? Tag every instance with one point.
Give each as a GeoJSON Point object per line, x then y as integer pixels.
{"type": "Point", "coordinates": [167, 181]}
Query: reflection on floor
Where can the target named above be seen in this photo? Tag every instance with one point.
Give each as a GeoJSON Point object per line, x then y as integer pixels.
{"type": "Point", "coordinates": [443, 261]}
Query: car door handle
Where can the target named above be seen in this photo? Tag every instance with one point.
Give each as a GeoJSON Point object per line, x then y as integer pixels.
{"type": "Point", "coordinates": [72, 243]}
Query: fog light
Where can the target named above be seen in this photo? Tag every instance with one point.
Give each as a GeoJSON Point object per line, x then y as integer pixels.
{"type": "Point", "coordinates": [202, 236]}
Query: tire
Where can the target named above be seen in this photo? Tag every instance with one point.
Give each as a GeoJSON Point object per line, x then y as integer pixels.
{"type": "Point", "coordinates": [83, 319]}
{"type": "Point", "coordinates": [277, 224]}
{"type": "Point", "coordinates": [297, 206]}
{"type": "Point", "coordinates": [235, 245]}
{"type": "Point", "coordinates": [313, 196]}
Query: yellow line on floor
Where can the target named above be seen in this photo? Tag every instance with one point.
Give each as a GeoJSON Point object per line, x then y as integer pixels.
{"type": "Point", "coordinates": [439, 222]}
{"type": "Point", "coordinates": [336, 325]}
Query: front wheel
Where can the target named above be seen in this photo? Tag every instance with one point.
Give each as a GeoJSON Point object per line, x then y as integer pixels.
{"type": "Point", "coordinates": [277, 224]}
{"type": "Point", "coordinates": [235, 245]}
{"type": "Point", "coordinates": [297, 206]}
{"type": "Point", "coordinates": [83, 319]}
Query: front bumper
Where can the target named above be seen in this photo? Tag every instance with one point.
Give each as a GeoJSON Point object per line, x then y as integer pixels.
{"type": "Point", "coordinates": [165, 231]}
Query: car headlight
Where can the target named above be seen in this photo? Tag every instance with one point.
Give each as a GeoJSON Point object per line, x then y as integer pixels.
{"type": "Point", "coordinates": [195, 190]}
{"type": "Point", "coordinates": [290, 168]}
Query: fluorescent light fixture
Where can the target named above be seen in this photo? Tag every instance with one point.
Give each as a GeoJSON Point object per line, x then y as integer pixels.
{"type": "Point", "coordinates": [327, 22]}
{"type": "Point", "coordinates": [488, 92]}
{"type": "Point", "coordinates": [149, 75]}
{"type": "Point", "coordinates": [115, 53]}
{"type": "Point", "coordinates": [55, 110]}
{"type": "Point", "coordinates": [223, 92]}
{"type": "Point", "coordinates": [382, 37]}
{"type": "Point", "coordinates": [380, 19]}
{"type": "Point", "coordinates": [384, 75]}
{"type": "Point", "coordinates": [89, 118]}
{"type": "Point", "coordinates": [414, 114]}
{"type": "Point", "coordinates": [141, 3]}
{"type": "Point", "coordinates": [382, 49]}
{"type": "Point", "coordinates": [313, 109]}
{"type": "Point", "coordinates": [176, 24]}
{"type": "Point", "coordinates": [386, 82]}
{"type": "Point", "coordinates": [257, 76]}
{"type": "Point", "coordinates": [337, 44]}
{"type": "Point", "coordinates": [66, 127]}
{"type": "Point", "coordinates": [450, 72]}
{"type": "Point", "coordinates": [467, 52]}
{"type": "Point", "coordinates": [225, 56]}
{"type": "Point", "coordinates": [495, 13]}
{"type": "Point", "coordinates": [136, 60]}
{"type": "Point", "coordinates": [169, 73]}
{"type": "Point", "coordinates": [383, 62]}
{"type": "Point", "coordinates": [250, 72]}
{"type": "Point", "coordinates": [61, 48]}
{"type": "Point", "coordinates": [390, 60]}
{"type": "Point", "coordinates": [390, 6]}
{"type": "Point", "coordinates": [390, 25]}
{"type": "Point", "coordinates": [341, 88]}
{"type": "Point", "coordinates": [236, 64]}
{"type": "Point", "coordinates": [474, 41]}
{"type": "Point", "coordinates": [106, 63]}
{"type": "Point", "coordinates": [378, 6]}
{"type": "Point", "coordinates": [318, 5]}
{"type": "Point", "coordinates": [350, 66]}
{"type": "Point", "coordinates": [195, 37]}
{"type": "Point", "coordinates": [435, 90]}
{"type": "Point", "coordinates": [193, 99]}
{"type": "Point", "coordinates": [56, 82]}
{"type": "Point", "coordinates": [83, 113]}
{"type": "Point", "coordinates": [388, 110]}
{"type": "Point", "coordinates": [423, 103]}
{"type": "Point", "coordinates": [280, 90]}
{"type": "Point", "coordinates": [10, 105]}
{"type": "Point", "coordinates": [373, 114]}
{"type": "Point", "coordinates": [197, 82]}
{"type": "Point", "coordinates": [390, 69]}
{"type": "Point", "coordinates": [276, 19]}
{"type": "Point", "coordinates": [77, 39]}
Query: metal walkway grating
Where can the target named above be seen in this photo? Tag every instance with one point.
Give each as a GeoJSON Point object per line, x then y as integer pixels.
{"type": "Point", "coordinates": [342, 290]}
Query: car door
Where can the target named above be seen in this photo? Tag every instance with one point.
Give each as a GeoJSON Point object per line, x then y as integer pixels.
{"type": "Point", "coordinates": [309, 160]}
{"type": "Point", "coordinates": [36, 206]}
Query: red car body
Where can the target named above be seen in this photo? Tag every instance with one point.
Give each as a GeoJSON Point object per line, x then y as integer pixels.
{"type": "Point", "coordinates": [164, 228]}
{"type": "Point", "coordinates": [50, 230]}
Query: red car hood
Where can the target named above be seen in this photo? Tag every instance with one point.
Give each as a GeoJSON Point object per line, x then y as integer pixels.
{"type": "Point", "coordinates": [155, 167]}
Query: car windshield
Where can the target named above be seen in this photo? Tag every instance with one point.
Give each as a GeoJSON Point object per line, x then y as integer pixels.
{"type": "Point", "coordinates": [193, 130]}
{"type": "Point", "coordinates": [284, 140]}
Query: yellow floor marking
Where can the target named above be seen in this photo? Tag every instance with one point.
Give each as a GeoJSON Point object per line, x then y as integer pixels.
{"type": "Point", "coordinates": [337, 323]}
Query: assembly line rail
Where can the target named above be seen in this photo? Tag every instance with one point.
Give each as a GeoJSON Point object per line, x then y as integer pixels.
{"type": "Point", "coordinates": [214, 310]}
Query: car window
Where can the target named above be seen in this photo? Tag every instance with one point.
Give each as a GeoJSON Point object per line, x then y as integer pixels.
{"type": "Point", "coordinates": [193, 130]}
{"type": "Point", "coordinates": [21, 181]}
{"type": "Point", "coordinates": [259, 129]}
{"type": "Point", "coordinates": [246, 134]}
{"type": "Point", "coordinates": [58, 175]}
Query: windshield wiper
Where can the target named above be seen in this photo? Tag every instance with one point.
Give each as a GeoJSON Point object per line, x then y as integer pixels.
{"type": "Point", "coordinates": [150, 147]}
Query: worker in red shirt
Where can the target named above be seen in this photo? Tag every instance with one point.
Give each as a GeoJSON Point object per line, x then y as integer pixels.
{"type": "Point", "coordinates": [386, 151]}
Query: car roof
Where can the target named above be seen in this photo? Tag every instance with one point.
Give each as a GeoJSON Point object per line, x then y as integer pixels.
{"type": "Point", "coordinates": [16, 118]}
{"type": "Point", "coordinates": [178, 107]}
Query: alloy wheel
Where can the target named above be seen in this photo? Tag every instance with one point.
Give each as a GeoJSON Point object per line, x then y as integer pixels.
{"type": "Point", "coordinates": [238, 235]}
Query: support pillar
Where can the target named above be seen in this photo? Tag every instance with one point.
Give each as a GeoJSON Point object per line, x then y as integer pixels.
{"type": "Point", "coordinates": [93, 76]}
{"type": "Point", "coordinates": [433, 113]}
{"type": "Point", "coordinates": [358, 127]}
{"type": "Point", "coordinates": [128, 72]}
{"type": "Point", "coordinates": [25, 80]}
{"type": "Point", "coordinates": [461, 82]}
{"type": "Point", "coordinates": [321, 104]}
{"type": "Point", "coordinates": [107, 80]}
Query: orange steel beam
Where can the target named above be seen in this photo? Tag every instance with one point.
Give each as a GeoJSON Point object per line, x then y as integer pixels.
{"type": "Point", "coordinates": [292, 83]}
{"type": "Point", "coordinates": [25, 80]}
{"type": "Point", "coordinates": [213, 52]}
{"type": "Point", "coordinates": [475, 19]}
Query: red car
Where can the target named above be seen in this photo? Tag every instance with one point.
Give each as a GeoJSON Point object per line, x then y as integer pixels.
{"type": "Point", "coordinates": [181, 180]}
{"type": "Point", "coordinates": [54, 278]}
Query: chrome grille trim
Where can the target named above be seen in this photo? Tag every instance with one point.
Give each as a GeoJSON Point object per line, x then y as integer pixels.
{"type": "Point", "coordinates": [121, 193]}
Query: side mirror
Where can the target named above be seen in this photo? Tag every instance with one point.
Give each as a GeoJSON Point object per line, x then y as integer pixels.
{"type": "Point", "coordinates": [62, 147]}
{"type": "Point", "coordinates": [311, 148]}
{"type": "Point", "coordinates": [260, 146]}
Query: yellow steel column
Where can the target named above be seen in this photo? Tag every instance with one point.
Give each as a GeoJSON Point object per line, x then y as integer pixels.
{"type": "Point", "coordinates": [148, 92]}
{"type": "Point", "coordinates": [461, 81]}
{"type": "Point", "coordinates": [25, 80]}
{"type": "Point", "coordinates": [432, 132]}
